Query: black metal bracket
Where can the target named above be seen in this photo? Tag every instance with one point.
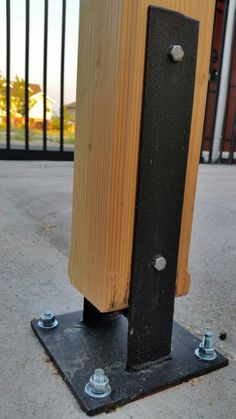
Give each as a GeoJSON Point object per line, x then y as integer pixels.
{"type": "Point", "coordinates": [165, 131]}
{"type": "Point", "coordinates": [139, 349]}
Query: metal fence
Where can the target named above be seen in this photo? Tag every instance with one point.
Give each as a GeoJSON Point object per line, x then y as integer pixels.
{"type": "Point", "coordinates": [28, 150]}
{"type": "Point", "coordinates": [227, 147]}
{"type": "Point", "coordinates": [10, 149]}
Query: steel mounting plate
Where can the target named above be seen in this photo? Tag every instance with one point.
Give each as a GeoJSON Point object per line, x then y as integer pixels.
{"type": "Point", "coordinates": [77, 350]}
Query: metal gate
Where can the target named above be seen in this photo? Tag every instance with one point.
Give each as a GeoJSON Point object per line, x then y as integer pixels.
{"type": "Point", "coordinates": [43, 149]}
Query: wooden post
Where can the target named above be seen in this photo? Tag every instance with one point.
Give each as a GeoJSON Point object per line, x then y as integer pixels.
{"type": "Point", "coordinates": [109, 101]}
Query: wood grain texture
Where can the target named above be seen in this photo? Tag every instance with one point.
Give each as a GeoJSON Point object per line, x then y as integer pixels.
{"type": "Point", "coordinates": [109, 101]}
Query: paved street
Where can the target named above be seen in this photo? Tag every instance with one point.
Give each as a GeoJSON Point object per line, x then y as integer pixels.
{"type": "Point", "coordinates": [35, 218]}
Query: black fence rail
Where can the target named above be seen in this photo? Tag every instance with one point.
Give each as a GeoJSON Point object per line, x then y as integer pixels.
{"type": "Point", "coordinates": [8, 150]}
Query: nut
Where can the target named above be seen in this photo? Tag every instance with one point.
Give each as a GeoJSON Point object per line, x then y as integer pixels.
{"type": "Point", "coordinates": [176, 53]}
{"type": "Point", "coordinates": [47, 320]}
{"type": "Point", "coordinates": [206, 350]}
{"type": "Point", "coordinates": [159, 263]}
{"type": "Point", "coordinates": [98, 385]}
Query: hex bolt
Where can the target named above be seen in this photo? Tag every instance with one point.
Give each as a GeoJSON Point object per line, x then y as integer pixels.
{"type": "Point", "coordinates": [98, 385]}
{"type": "Point", "coordinates": [159, 263]}
{"type": "Point", "coordinates": [47, 320]}
{"type": "Point", "coordinates": [206, 350]}
{"type": "Point", "coordinates": [176, 53]}
{"type": "Point", "coordinates": [208, 340]}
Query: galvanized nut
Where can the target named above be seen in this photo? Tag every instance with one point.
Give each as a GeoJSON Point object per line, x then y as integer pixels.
{"type": "Point", "coordinates": [47, 320]}
{"type": "Point", "coordinates": [98, 385]}
{"type": "Point", "coordinates": [176, 53]}
{"type": "Point", "coordinates": [206, 350]}
{"type": "Point", "coordinates": [159, 263]}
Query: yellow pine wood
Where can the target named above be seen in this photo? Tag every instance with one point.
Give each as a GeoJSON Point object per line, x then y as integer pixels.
{"type": "Point", "coordinates": [109, 99]}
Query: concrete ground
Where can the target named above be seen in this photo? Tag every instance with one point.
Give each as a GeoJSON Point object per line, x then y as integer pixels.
{"type": "Point", "coordinates": [35, 215]}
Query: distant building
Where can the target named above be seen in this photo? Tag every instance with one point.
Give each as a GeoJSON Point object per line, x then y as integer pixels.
{"type": "Point", "coordinates": [71, 111]}
{"type": "Point", "coordinates": [32, 87]}
{"type": "Point", "coordinates": [36, 97]}
{"type": "Point", "coordinates": [36, 111]}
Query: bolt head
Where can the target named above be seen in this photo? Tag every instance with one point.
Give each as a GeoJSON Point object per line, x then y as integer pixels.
{"type": "Point", "coordinates": [47, 317]}
{"type": "Point", "coordinates": [98, 385]}
{"type": "Point", "coordinates": [176, 53]}
{"type": "Point", "coordinates": [47, 320]}
{"type": "Point", "coordinates": [206, 350]}
{"type": "Point", "coordinates": [205, 354]}
{"type": "Point", "coordinates": [160, 263]}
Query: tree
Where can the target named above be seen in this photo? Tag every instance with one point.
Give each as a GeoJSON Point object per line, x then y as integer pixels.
{"type": "Point", "coordinates": [56, 121]}
{"type": "Point", "coordinates": [18, 97]}
{"type": "Point", "coordinates": [67, 117]}
{"type": "Point", "coordinates": [2, 93]}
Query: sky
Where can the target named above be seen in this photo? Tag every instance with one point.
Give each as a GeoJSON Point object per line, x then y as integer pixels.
{"type": "Point", "coordinates": [36, 44]}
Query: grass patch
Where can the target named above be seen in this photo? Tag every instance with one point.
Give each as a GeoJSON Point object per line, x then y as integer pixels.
{"type": "Point", "coordinates": [53, 135]}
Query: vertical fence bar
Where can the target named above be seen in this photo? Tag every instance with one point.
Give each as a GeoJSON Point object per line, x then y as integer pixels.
{"type": "Point", "coordinates": [63, 35]}
{"type": "Point", "coordinates": [221, 53]}
{"type": "Point", "coordinates": [45, 57]}
{"type": "Point", "coordinates": [27, 30]}
{"type": "Point", "coordinates": [233, 140]}
{"type": "Point", "coordinates": [227, 108]}
{"type": "Point", "coordinates": [8, 74]}
{"type": "Point", "coordinates": [202, 160]}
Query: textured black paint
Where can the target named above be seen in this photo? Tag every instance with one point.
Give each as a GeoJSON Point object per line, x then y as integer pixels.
{"type": "Point", "coordinates": [165, 131]}
{"type": "Point", "coordinates": [77, 350]}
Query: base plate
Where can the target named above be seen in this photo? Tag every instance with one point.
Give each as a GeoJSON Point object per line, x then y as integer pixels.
{"type": "Point", "coordinates": [77, 350]}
